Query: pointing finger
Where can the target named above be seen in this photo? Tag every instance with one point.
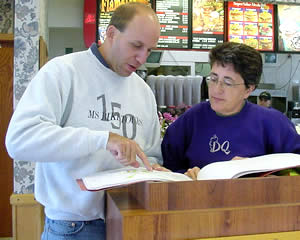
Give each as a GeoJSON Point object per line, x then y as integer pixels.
{"type": "Point", "coordinates": [144, 158]}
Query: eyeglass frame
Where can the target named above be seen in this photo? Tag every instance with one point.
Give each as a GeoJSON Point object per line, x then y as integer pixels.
{"type": "Point", "coordinates": [224, 84]}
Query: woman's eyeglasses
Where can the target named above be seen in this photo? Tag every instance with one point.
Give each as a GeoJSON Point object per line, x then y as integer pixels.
{"type": "Point", "coordinates": [212, 81]}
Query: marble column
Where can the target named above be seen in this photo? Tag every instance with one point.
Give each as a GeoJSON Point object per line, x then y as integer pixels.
{"type": "Point", "coordinates": [26, 65]}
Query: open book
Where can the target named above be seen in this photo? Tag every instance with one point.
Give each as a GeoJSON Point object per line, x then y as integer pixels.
{"type": "Point", "coordinates": [266, 164]}
{"type": "Point", "coordinates": [125, 176]}
{"type": "Point", "coordinates": [219, 170]}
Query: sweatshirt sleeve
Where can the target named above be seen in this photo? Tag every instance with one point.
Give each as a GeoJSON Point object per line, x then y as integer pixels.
{"type": "Point", "coordinates": [34, 132]}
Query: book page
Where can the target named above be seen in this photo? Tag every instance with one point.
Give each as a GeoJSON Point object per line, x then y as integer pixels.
{"type": "Point", "coordinates": [129, 175]}
{"type": "Point", "coordinates": [238, 168]}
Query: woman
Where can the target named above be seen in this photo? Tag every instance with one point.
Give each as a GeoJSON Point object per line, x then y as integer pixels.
{"type": "Point", "coordinates": [228, 126]}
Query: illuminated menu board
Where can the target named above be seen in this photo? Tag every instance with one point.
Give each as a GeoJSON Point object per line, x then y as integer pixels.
{"type": "Point", "coordinates": [289, 28]}
{"type": "Point", "coordinates": [173, 18]}
{"type": "Point", "coordinates": [251, 23]}
{"type": "Point", "coordinates": [106, 9]}
{"type": "Point", "coordinates": [208, 23]}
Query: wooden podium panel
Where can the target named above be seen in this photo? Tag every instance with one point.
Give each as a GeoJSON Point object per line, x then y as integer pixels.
{"type": "Point", "coordinates": [204, 209]}
{"type": "Point", "coordinates": [267, 236]}
{"type": "Point", "coordinates": [217, 193]}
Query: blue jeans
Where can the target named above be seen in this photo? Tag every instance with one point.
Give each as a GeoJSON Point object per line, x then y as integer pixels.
{"type": "Point", "coordinates": [73, 230]}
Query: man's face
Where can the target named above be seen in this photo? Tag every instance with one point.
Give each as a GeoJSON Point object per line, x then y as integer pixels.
{"type": "Point", "coordinates": [265, 103]}
{"type": "Point", "coordinates": [130, 48]}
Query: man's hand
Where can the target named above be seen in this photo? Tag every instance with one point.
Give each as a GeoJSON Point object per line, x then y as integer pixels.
{"type": "Point", "coordinates": [192, 173]}
{"type": "Point", "coordinates": [158, 167]}
{"type": "Point", "coordinates": [126, 150]}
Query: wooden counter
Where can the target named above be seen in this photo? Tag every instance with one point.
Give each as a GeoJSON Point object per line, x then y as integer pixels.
{"type": "Point", "coordinates": [205, 209]}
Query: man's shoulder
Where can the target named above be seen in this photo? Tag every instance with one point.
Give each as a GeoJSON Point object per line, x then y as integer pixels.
{"type": "Point", "coordinates": [136, 79]}
{"type": "Point", "coordinates": [69, 58]}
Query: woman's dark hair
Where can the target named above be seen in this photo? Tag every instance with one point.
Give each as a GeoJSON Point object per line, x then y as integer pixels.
{"type": "Point", "coordinates": [245, 60]}
{"type": "Point", "coordinates": [126, 12]}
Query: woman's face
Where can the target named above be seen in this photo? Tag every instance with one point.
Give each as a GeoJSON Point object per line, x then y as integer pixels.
{"type": "Point", "coordinates": [227, 90]}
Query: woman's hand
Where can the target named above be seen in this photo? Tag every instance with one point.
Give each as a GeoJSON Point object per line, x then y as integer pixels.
{"type": "Point", "coordinates": [238, 158]}
{"type": "Point", "coordinates": [192, 173]}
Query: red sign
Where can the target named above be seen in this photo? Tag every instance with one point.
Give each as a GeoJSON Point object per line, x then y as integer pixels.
{"type": "Point", "coordinates": [89, 22]}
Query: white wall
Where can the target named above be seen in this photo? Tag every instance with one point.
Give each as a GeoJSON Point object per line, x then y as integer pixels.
{"type": "Point", "coordinates": [65, 24]}
{"type": "Point", "coordinates": [61, 38]}
{"type": "Point", "coordinates": [44, 31]}
{"type": "Point", "coordinates": [65, 13]}
{"type": "Point", "coordinates": [283, 73]}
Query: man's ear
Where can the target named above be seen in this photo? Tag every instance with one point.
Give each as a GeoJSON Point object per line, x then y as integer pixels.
{"type": "Point", "coordinates": [111, 31]}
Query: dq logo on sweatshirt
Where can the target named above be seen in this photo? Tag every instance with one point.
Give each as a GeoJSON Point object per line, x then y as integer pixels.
{"type": "Point", "coordinates": [215, 146]}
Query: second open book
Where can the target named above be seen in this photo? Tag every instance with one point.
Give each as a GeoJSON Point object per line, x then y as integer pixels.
{"type": "Point", "coordinates": [218, 170]}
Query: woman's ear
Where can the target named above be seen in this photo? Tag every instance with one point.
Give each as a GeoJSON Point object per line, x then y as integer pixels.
{"type": "Point", "coordinates": [249, 90]}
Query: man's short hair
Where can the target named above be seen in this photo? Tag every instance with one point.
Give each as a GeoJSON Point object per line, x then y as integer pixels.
{"type": "Point", "coordinates": [126, 12]}
{"type": "Point", "coordinates": [264, 96]}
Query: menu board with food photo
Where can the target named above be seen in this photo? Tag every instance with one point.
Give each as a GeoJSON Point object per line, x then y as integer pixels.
{"type": "Point", "coordinates": [208, 23]}
{"type": "Point", "coordinates": [236, 14]}
{"type": "Point", "coordinates": [265, 15]}
{"type": "Point", "coordinates": [236, 28]}
{"type": "Point", "coordinates": [265, 29]}
{"type": "Point", "coordinates": [106, 9]}
{"type": "Point", "coordinates": [251, 23]}
{"type": "Point", "coordinates": [237, 39]}
{"type": "Point", "coordinates": [251, 41]}
{"type": "Point", "coordinates": [250, 15]}
{"type": "Point", "coordinates": [173, 18]}
{"type": "Point", "coordinates": [250, 28]}
{"type": "Point", "coordinates": [265, 43]}
{"type": "Point", "coordinates": [289, 28]}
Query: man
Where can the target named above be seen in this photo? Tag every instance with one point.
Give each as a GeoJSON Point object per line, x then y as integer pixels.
{"type": "Point", "coordinates": [228, 126]}
{"type": "Point", "coordinates": [87, 112]}
{"type": "Point", "coordinates": [264, 99]}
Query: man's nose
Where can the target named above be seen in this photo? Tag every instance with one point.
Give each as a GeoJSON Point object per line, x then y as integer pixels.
{"type": "Point", "coordinates": [142, 56]}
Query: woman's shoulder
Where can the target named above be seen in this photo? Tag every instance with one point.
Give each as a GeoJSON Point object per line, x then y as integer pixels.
{"type": "Point", "coordinates": [202, 106]}
{"type": "Point", "coordinates": [198, 109]}
{"type": "Point", "coordinates": [265, 113]}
